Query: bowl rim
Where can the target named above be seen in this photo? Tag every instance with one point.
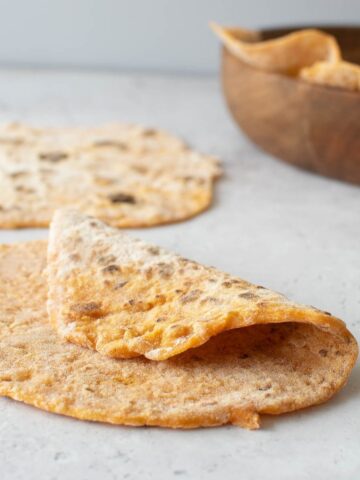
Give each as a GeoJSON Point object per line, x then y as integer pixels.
{"type": "Point", "coordinates": [296, 80]}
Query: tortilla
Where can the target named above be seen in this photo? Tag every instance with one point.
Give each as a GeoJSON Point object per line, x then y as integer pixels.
{"type": "Point", "coordinates": [287, 54]}
{"type": "Point", "coordinates": [231, 379]}
{"type": "Point", "coordinates": [126, 175]}
{"type": "Point", "coordinates": [340, 74]}
{"type": "Point", "coordinates": [124, 298]}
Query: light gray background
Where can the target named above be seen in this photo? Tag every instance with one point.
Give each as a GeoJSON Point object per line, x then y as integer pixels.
{"type": "Point", "coordinates": [165, 35]}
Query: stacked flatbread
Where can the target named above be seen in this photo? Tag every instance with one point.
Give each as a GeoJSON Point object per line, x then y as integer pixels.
{"type": "Point", "coordinates": [128, 176]}
{"type": "Point", "coordinates": [310, 54]}
{"type": "Point", "coordinates": [101, 326]}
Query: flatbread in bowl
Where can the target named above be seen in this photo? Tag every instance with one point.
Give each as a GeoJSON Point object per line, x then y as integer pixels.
{"type": "Point", "coordinates": [287, 54]}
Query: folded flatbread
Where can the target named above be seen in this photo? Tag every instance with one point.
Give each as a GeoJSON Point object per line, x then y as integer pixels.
{"type": "Point", "coordinates": [128, 176]}
{"type": "Point", "coordinates": [232, 378]}
{"type": "Point", "coordinates": [122, 297]}
{"type": "Point", "coordinates": [287, 54]}
{"type": "Point", "coordinates": [340, 74]}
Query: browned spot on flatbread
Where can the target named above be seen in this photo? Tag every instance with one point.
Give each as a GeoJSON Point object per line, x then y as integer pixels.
{"type": "Point", "coordinates": [111, 143]}
{"type": "Point", "coordinates": [53, 157]}
{"type": "Point", "coordinates": [90, 309]}
{"type": "Point", "coordinates": [122, 198]}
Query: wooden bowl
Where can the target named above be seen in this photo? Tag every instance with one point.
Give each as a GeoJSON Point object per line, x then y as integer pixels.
{"type": "Point", "coordinates": [310, 126]}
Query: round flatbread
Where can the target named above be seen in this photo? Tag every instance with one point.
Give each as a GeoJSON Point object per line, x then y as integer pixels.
{"type": "Point", "coordinates": [128, 176]}
{"type": "Point", "coordinates": [231, 379]}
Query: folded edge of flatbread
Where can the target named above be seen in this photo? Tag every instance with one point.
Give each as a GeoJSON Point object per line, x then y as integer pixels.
{"type": "Point", "coordinates": [124, 298]}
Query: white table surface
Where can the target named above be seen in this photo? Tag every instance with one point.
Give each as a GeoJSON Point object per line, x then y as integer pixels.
{"type": "Point", "coordinates": [271, 224]}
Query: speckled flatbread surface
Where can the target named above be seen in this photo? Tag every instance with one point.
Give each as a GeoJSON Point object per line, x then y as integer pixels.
{"type": "Point", "coordinates": [128, 176]}
{"type": "Point", "coordinates": [123, 297]}
{"type": "Point", "coordinates": [233, 378]}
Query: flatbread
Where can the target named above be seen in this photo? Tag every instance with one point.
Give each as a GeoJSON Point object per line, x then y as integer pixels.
{"type": "Point", "coordinates": [340, 74]}
{"type": "Point", "coordinates": [231, 379]}
{"type": "Point", "coordinates": [124, 298]}
{"type": "Point", "coordinates": [126, 175]}
{"type": "Point", "coordinates": [287, 54]}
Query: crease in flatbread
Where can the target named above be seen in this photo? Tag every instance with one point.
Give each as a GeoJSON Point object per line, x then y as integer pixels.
{"type": "Point", "coordinates": [233, 378]}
